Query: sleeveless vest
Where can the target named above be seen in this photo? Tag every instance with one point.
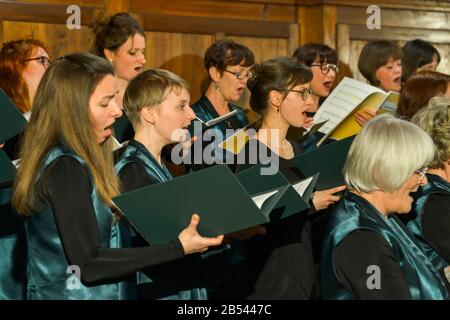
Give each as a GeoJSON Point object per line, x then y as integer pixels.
{"type": "Point", "coordinates": [435, 185]}
{"type": "Point", "coordinates": [355, 213]}
{"type": "Point", "coordinates": [48, 276]}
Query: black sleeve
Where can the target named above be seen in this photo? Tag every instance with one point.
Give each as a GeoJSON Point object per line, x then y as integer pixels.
{"type": "Point", "coordinates": [68, 191]}
{"type": "Point", "coordinates": [436, 223]}
{"type": "Point", "coordinates": [133, 176]}
{"type": "Point", "coordinates": [356, 253]}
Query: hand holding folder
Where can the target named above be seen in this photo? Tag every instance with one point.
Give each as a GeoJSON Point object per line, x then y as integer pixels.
{"type": "Point", "coordinates": [158, 212]}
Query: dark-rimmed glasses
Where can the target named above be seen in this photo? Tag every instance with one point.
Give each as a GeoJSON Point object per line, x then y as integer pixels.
{"type": "Point", "coordinates": [42, 60]}
{"type": "Point", "coordinates": [241, 76]}
{"type": "Point", "coordinates": [305, 93]}
{"type": "Point", "coordinates": [325, 67]}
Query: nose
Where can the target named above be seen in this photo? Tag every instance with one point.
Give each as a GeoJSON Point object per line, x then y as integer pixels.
{"type": "Point", "coordinates": [191, 114]}
{"type": "Point", "coordinates": [116, 110]}
{"type": "Point", "coordinates": [142, 58]}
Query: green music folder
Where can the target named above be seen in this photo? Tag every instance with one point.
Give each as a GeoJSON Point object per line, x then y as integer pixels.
{"type": "Point", "coordinates": [7, 169]}
{"type": "Point", "coordinates": [160, 212]}
{"type": "Point", "coordinates": [328, 160]}
{"type": "Point", "coordinates": [12, 122]}
{"type": "Point", "coordinates": [294, 200]}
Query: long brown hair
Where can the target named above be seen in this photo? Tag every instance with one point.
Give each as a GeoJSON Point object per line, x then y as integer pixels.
{"type": "Point", "coordinates": [419, 89]}
{"type": "Point", "coordinates": [12, 64]}
{"type": "Point", "coordinates": [61, 116]}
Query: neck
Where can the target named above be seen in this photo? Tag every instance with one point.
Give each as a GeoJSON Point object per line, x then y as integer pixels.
{"type": "Point", "coordinates": [376, 199]}
{"type": "Point", "coordinates": [217, 100]}
{"type": "Point", "coordinates": [152, 141]}
{"type": "Point", "coordinates": [273, 131]}
{"type": "Point", "coordinates": [443, 173]}
{"type": "Point", "coordinates": [122, 84]}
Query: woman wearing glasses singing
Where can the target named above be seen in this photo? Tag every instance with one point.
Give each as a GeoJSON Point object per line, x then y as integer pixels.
{"type": "Point", "coordinates": [368, 252]}
{"type": "Point", "coordinates": [281, 262]}
{"type": "Point", "coordinates": [430, 218]}
{"type": "Point", "coordinates": [229, 67]}
{"type": "Point", "coordinates": [22, 65]}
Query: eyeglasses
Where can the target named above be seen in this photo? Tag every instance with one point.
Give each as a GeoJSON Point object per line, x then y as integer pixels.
{"type": "Point", "coordinates": [241, 76]}
{"type": "Point", "coordinates": [305, 93]}
{"type": "Point", "coordinates": [42, 60]}
{"type": "Point", "coordinates": [325, 67]}
{"type": "Point", "coordinates": [421, 172]}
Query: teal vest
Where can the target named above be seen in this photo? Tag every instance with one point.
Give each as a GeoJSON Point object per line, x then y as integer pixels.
{"type": "Point", "coordinates": [152, 282]}
{"type": "Point", "coordinates": [435, 185]}
{"type": "Point", "coordinates": [12, 249]}
{"type": "Point", "coordinates": [355, 213]}
{"type": "Point", "coordinates": [47, 263]}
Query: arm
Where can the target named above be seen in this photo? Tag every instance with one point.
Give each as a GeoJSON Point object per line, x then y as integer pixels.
{"type": "Point", "coordinates": [358, 251]}
{"type": "Point", "coordinates": [133, 176]}
{"type": "Point", "coordinates": [436, 224]}
{"type": "Point", "coordinates": [69, 194]}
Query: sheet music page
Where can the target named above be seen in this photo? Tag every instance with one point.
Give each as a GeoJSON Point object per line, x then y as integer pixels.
{"type": "Point", "coordinates": [221, 118]}
{"type": "Point", "coordinates": [341, 102]}
{"type": "Point", "coordinates": [259, 200]}
{"type": "Point", "coordinates": [301, 186]}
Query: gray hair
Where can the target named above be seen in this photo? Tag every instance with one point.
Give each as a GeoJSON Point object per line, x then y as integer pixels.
{"type": "Point", "coordinates": [385, 154]}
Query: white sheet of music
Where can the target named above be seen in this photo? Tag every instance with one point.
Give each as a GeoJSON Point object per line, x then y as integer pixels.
{"type": "Point", "coordinates": [348, 94]}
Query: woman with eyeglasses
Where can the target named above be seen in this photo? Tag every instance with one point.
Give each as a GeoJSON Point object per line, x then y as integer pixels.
{"type": "Point", "coordinates": [281, 263]}
{"type": "Point", "coordinates": [229, 67]}
{"type": "Point", "coordinates": [429, 220]}
{"type": "Point", "coordinates": [368, 252]}
{"type": "Point", "coordinates": [22, 65]}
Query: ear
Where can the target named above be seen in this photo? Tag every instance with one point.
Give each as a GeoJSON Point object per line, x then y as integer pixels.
{"type": "Point", "coordinates": [148, 114]}
{"type": "Point", "coordinates": [214, 73]}
{"type": "Point", "coordinates": [109, 55]}
{"type": "Point", "coordinates": [275, 98]}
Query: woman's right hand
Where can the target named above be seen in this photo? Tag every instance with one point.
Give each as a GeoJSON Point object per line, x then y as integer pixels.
{"type": "Point", "coordinates": [363, 116]}
{"type": "Point", "coordinates": [193, 242]}
{"type": "Point", "coordinates": [323, 199]}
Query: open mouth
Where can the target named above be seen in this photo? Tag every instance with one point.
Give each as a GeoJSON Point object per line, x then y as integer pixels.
{"type": "Point", "coordinates": [397, 81]}
{"type": "Point", "coordinates": [328, 84]}
{"type": "Point", "coordinates": [139, 69]}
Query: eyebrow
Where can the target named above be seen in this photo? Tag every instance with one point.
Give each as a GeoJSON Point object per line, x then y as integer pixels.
{"type": "Point", "coordinates": [111, 96]}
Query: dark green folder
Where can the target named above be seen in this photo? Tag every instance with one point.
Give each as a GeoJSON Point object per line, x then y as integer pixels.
{"type": "Point", "coordinates": [12, 122]}
{"type": "Point", "coordinates": [328, 160]}
{"type": "Point", "coordinates": [7, 169]}
{"type": "Point", "coordinates": [123, 130]}
{"type": "Point", "coordinates": [160, 212]}
{"type": "Point", "coordinates": [291, 202]}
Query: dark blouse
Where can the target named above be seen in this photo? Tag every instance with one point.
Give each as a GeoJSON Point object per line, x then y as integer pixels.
{"type": "Point", "coordinates": [281, 262]}
{"type": "Point", "coordinates": [68, 190]}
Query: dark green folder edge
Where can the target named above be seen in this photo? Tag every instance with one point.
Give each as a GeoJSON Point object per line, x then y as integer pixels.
{"type": "Point", "coordinates": [12, 121]}
{"type": "Point", "coordinates": [322, 160]}
{"type": "Point", "coordinates": [7, 170]}
{"type": "Point", "coordinates": [152, 232]}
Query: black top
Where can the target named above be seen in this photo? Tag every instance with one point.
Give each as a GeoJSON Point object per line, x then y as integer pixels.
{"type": "Point", "coordinates": [281, 262]}
{"type": "Point", "coordinates": [364, 248]}
{"type": "Point", "coordinates": [436, 223]}
{"type": "Point", "coordinates": [68, 190]}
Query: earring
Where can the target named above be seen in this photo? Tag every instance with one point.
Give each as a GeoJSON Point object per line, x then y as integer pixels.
{"type": "Point", "coordinates": [216, 84]}
{"type": "Point", "coordinates": [278, 109]}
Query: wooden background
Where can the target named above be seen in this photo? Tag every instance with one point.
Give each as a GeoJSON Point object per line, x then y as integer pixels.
{"type": "Point", "coordinates": [179, 31]}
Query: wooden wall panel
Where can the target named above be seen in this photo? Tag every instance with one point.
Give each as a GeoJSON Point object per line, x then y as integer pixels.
{"type": "Point", "coordinates": [180, 53]}
{"type": "Point", "coordinates": [58, 39]}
